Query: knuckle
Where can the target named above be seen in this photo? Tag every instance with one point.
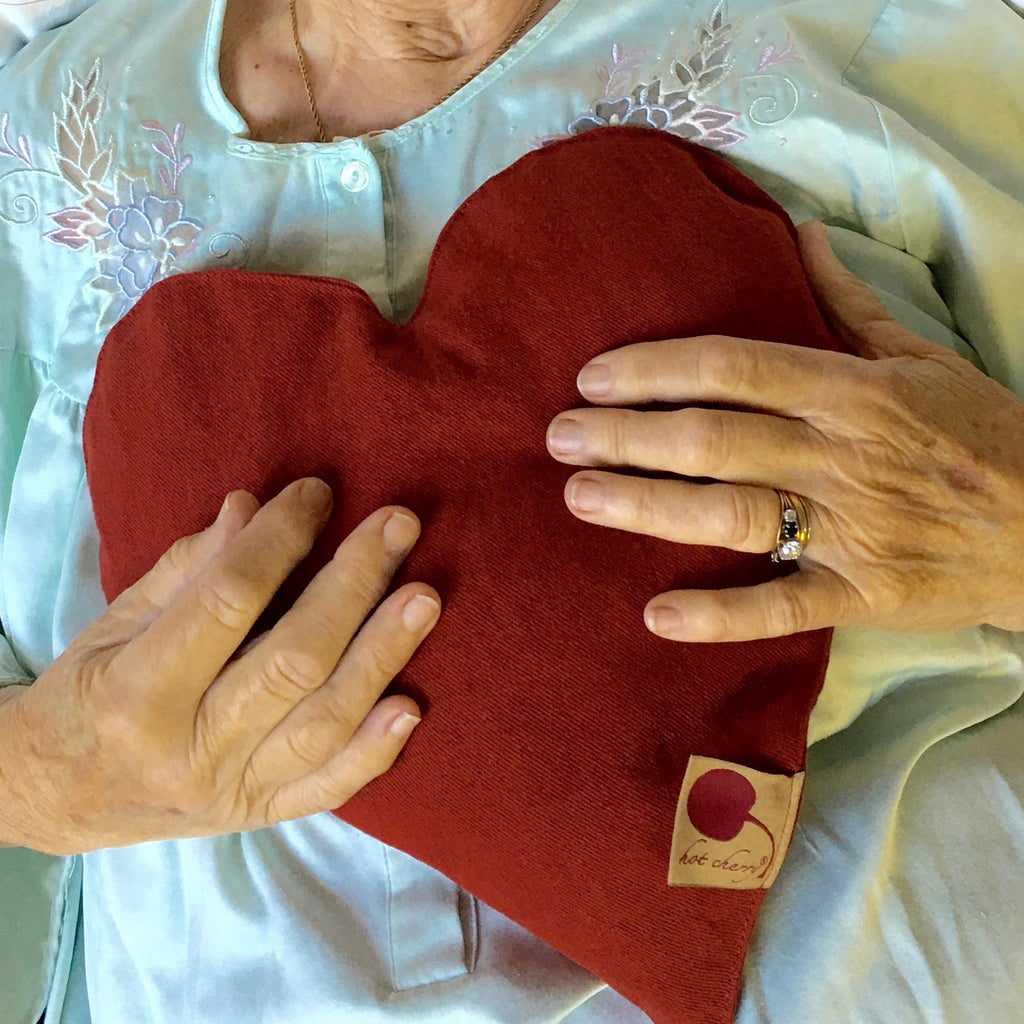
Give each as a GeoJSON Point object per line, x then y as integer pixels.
{"type": "Point", "coordinates": [177, 560]}
{"type": "Point", "coordinates": [723, 366]}
{"type": "Point", "coordinates": [379, 662]}
{"type": "Point", "coordinates": [743, 522]}
{"type": "Point", "coordinates": [790, 614]}
{"type": "Point", "coordinates": [304, 745]}
{"type": "Point", "coordinates": [646, 507]}
{"type": "Point", "coordinates": [708, 440]}
{"type": "Point", "coordinates": [229, 600]}
{"type": "Point", "coordinates": [619, 433]}
{"type": "Point", "coordinates": [365, 580]}
{"type": "Point", "coordinates": [876, 390]}
{"type": "Point", "coordinates": [288, 672]}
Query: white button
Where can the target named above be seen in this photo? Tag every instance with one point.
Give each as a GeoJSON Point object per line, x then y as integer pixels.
{"type": "Point", "coordinates": [355, 177]}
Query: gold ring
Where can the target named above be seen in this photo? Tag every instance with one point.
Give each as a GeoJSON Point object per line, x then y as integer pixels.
{"type": "Point", "coordinates": [794, 528]}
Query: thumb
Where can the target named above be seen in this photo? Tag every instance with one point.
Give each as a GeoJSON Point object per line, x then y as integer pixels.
{"type": "Point", "coordinates": [852, 309]}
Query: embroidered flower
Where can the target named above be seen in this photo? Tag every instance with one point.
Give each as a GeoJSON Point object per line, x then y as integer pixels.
{"type": "Point", "coordinates": [678, 108]}
{"type": "Point", "coordinates": [645, 107]}
{"type": "Point", "coordinates": [147, 233]}
{"type": "Point", "coordinates": [138, 234]}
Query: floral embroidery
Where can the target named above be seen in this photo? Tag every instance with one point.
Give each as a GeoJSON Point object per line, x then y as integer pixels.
{"type": "Point", "coordinates": [138, 233]}
{"type": "Point", "coordinates": [22, 153]}
{"type": "Point", "coordinates": [676, 107]}
{"type": "Point", "coordinates": [771, 56]}
{"type": "Point", "coordinates": [674, 101]}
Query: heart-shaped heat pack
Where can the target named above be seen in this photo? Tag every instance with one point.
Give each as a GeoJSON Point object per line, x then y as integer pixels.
{"type": "Point", "coordinates": [560, 738]}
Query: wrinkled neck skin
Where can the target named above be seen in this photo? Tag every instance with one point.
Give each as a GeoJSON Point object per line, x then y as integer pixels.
{"type": "Point", "coordinates": [409, 32]}
{"type": "Point", "coordinates": [373, 64]}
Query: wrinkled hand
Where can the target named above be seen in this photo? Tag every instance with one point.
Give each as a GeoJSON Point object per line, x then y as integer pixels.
{"type": "Point", "coordinates": [153, 725]}
{"type": "Point", "coordinates": [911, 462]}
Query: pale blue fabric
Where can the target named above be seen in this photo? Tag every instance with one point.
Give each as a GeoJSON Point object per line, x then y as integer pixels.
{"type": "Point", "coordinates": [899, 123]}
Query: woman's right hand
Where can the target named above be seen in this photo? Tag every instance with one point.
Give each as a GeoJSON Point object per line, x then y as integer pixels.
{"type": "Point", "coordinates": [153, 725]}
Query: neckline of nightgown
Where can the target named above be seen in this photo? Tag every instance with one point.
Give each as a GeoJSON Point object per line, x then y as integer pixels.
{"type": "Point", "coordinates": [239, 142]}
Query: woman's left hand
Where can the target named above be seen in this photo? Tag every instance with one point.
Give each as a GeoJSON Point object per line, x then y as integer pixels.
{"type": "Point", "coordinates": [910, 462]}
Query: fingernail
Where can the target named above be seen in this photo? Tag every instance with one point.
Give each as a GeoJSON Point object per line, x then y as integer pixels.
{"type": "Point", "coordinates": [400, 533]}
{"type": "Point", "coordinates": [403, 725]}
{"type": "Point", "coordinates": [587, 496]}
{"type": "Point", "coordinates": [566, 436]}
{"type": "Point", "coordinates": [223, 510]}
{"type": "Point", "coordinates": [663, 619]}
{"type": "Point", "coordinates": [420, 612]}
{"type": "Point", "coordinates": [594, 380]}
{"type": "Point", "coordinates": [315, 492]}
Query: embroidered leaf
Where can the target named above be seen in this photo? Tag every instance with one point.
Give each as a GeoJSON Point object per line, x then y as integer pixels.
{"type": "Point", "coordinates": [625, 69]}
{"type": "Point", "coordinates": [91, 110]}
{"type": "Point", "coordinates": [95, 231]}
{"type": "Point", "coordinates": [179, 129]}
{"type": "Point", "coordinates": [164, 178]}
{"type": "Point", "coordinates": [709, 78]}
{"type": "Point", "coordinates": [71, 217]}
{"type": "Point", "coordinates": [100, 166]}
{"type": "Point", "coordinates": [105, 284]}
{"type": "Point", "coordinates": [90, 150]}
{"type": "Point", "coordinates": [604, 75]}
{"type": "Point", "coordinates": [68, 237]}
{"type": "Point", "coordinates": [712, 117]}
{"type": "Point", "coordinates": [23, 149]}
{"type": "Point", "coordinates": [723, 139]}
{"type": "Point", "coordinates": [160, 148]}
{"type": "Point", "coordinates": [718, 56]}
{"type": "Point", "coordinates": [153, 126]}
{"type": "Point", "coordinates": [97, 203]}
{"type": "Point", "coordinates": [76, 97]}
{"type": "Point", "coordinates": [65, 142]}
{"type": "Point", "coordinates": [74, 125]}
{"type": "Point", "coordinates": [73, 173]}
{"type": "Point", "coordinates": [186, 162]}
{"type": "Point", "coordinates": [683, 73]}
{"type": "Point", "coordinates": [616, 53]}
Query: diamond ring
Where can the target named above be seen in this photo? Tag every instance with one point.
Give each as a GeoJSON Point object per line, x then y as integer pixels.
{"type": "Point", "coordinates": [794, 528]}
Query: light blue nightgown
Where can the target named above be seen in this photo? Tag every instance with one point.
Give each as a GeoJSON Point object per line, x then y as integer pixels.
{"type": "Point", "coordinates": [898, 122]}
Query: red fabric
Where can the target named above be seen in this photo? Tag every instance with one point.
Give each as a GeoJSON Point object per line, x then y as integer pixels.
{"type": "Point", "coordinates": [556, 733]}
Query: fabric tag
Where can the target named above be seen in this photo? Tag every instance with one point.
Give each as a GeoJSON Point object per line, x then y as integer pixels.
{"type": "Point", "coordinates": [733, 825]}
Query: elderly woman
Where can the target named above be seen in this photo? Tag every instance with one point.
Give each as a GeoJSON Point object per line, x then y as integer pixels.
{"type": "Point", "coordinates": [335, 138]}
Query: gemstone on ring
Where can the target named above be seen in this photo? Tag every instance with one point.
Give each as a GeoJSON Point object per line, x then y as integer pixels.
{"type": "Point", "coordinates": [794, 528]}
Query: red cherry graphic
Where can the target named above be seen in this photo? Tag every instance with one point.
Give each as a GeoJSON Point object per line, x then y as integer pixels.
{"type": "Point", "coordinates": [719, 806]}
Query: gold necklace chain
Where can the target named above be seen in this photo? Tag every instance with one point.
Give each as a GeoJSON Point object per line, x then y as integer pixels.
{"type": "Point", "coordinates": [300, 53]}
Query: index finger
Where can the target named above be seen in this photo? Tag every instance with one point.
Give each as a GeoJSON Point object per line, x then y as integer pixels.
{"type": "Point", "coordinates": [784, 379]}
{"type": "Point", "coordinates": [186, 646]}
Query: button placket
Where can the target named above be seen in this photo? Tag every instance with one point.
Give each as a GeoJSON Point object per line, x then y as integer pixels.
{"type": "Point", "coordinates": [430, 929]}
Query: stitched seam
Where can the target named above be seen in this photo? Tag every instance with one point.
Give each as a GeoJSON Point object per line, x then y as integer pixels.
{"type": "Point", "coordinates": [49, 374]}
{"type": "Point", "coordinates": [326, 240]}
{"type": "Point", "coordinates": [389, 228]}
{"type": "Point", "coordinates": [864, 41]}
{"type": "Point", "coordinates": [892, 171]}
{"type": "Point", "coordinates": [391, 941]}
{"type": "Point", "coordinates": [25, 355]}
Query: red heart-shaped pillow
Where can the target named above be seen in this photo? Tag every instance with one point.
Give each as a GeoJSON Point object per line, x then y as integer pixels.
{"type": "Point", "coordinates": [547, 773]}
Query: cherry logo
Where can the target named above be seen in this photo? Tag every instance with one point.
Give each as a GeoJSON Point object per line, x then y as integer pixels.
{"type": "Point", "coordinates": [719, 806]}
